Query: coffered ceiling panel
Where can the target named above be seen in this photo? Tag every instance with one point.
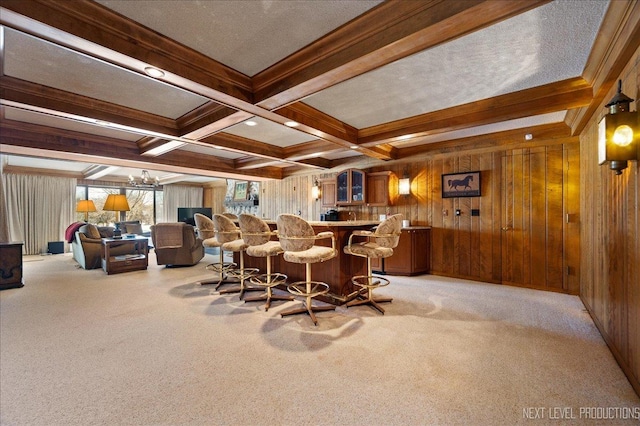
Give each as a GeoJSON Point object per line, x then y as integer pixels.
{"type": "Point", "coordinates": [517, 54]}
{"type": "Point", "coordinates": [54, 66]}
{"type": "Point", "coordinates": [269, 132]}
{"type": "Point", "coordinates": [67, 124]}
{"type": "Point", "coordinates": [247, 36]}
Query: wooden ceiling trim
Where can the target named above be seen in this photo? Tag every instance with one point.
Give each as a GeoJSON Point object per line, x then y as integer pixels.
{"type": "Point", "coordinates": [543, 134]}
{"type": "Point", "coordinates": [389, 32]}
{"type": "Point", "coordinates": [314, 118]}
{"type": "Point", "coordinates": [27, 93]}
{"type": "Point", "coordinates": [558, 96]}
{"type": "Point", "coordinates": [105, 150]}
{"type": "Point", "coordinates": [222, 119]}
{"type": "Point", "coordinates": [615, 45]}
{"type": "Point", "coordinates": [210, 112]}
{"type": "Point", "coordinates": [118, 40]}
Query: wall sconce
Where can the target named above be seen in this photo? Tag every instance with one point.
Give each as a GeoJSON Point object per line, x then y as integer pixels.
{"type": "Point", "coordinates": [404, 186]}
{"type": "Point", "coordinates": [618, 133]}
{"type": "Point", "coordinates": [315, 190]}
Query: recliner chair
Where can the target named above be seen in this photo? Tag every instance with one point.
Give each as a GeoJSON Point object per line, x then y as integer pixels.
{"type": "Point", "coordinates": [176, 244]}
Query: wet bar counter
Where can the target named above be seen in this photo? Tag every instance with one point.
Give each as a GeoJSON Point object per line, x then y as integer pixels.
{"type": "Point", "coordinates": [336, 272]}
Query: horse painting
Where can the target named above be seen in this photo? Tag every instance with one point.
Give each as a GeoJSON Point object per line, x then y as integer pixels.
{"type": "Point", "coordinates": [464, 183]}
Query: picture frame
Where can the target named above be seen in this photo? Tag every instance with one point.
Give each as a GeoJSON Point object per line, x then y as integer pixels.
{"type": "Point", "coordinates": [240, 191]}
{"type": "Point", "coordinates": [465, 184]}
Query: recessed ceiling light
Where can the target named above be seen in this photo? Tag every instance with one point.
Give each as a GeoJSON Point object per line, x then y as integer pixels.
{"type": "Point", "coordinates": [528, 137]}
{"type": "Point", "coordinates": [354, 147]}
{"type": "Point", "coordinates": [404, 137]}
{"type": "Point", "coordinates": [250, 123]}
{"type": "Point", "coordinates": [154, 72]}
{"type": "Point", "coordinates": [291, 123]}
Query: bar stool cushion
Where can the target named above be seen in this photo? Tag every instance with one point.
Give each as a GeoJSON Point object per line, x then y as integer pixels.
{"type": "Point", "coordinates": [313, 255]}
{"type": "Point", "coordinates": [369, 249]}
{"type": "Point", "coordinates": [235, 245]}
{"type": "Point", "coordinates": [270, 248]}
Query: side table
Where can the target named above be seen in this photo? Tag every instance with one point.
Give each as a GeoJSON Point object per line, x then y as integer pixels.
{"type": "Point", "coordinates": [137, 260]}
{"type": "Point", "coordinates": [11, 265]}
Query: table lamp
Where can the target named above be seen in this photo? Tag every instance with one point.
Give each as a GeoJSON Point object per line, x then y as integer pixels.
{"type": "Point", "coordinates": [116, 203]}
{"type": "Point", "coordinates": [86, 206]}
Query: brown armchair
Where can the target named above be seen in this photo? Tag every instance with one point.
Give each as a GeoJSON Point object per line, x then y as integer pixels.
{"type": "Point", "coordinates": [176, 244]}
{"type": "Point", "coordinates": [87, 245]}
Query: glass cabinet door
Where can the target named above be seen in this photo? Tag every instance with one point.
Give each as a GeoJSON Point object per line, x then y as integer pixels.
{"type": "Point", "coordinates": [357, 186]}
{"type": "Point", "coordinates": [342, 183]}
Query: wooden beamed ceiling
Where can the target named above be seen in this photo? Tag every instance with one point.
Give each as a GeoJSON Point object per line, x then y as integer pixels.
{"type": "Point", "coordinates": [389, 32]}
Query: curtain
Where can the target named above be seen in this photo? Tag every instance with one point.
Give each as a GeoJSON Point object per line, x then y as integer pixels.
{"type": "Point", "coordinates": [179, 196]}
{"type": "Point", "coordinates": [38, 209]}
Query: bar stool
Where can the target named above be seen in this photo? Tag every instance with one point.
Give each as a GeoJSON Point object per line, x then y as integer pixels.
{"type": "Point", "coordinates": [378, 244]}
{"type": "Point", "coordinates": [206, 232]}
{"type": "Point", "coordinates": [297, 239]}
{"type": "Point", "coordinates": [228, 234]}
{"type": "Point", "coordinates": [256, 233]}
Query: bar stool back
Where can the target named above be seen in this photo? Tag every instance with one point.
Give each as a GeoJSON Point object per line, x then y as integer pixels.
{"type": "Point", "coordinates": [229, 236]}
{"type": "Point", "coordinates": [257, 234]}
{"type": "Point", "coordinates": [298, 241]}
{"type": "Point", "coordinates": [378, 244]}
{"type": "Point", "coordinates": [207, 234]}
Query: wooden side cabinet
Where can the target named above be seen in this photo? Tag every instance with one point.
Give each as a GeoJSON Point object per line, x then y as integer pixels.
{"type": "Point", "coordinates": [412, 256]}
{"type": "Point", "coordinates": [328, 192]}
{"type": "Point", "coordinates": [11, 265]}
{"type": "Point", "coordinates": [382, 189]}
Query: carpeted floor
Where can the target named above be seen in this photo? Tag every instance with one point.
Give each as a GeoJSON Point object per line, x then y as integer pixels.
{"type": "Point", "coordinates": [155, 348]}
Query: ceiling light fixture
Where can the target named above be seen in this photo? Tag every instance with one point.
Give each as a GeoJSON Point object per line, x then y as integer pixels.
{"type": "Point", "coordinates": [251, 123]}
{"type": "Point", "coordinates": [154, 72]}
{"type": "Point", "coordinates": [145, 181]}
{"type": "Point", "coordinates": [291, 123]}
{"type": "Point", "coordinates": [354, 147]}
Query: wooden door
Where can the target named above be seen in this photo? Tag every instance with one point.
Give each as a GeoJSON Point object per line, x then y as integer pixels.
{"type": "Point", "coordinates": [532, 239]}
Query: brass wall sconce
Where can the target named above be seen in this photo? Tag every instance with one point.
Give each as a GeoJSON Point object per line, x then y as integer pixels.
{"type": "Point", "coordinates": [315, 190]}
{"type": "Point", "coordinates": [618, 133]}
{"type": "Point", "coordinates": [404, 184]}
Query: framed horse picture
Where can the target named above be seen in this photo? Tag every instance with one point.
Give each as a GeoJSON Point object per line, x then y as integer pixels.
{"type": "Point", "coordinates": [461, 185]}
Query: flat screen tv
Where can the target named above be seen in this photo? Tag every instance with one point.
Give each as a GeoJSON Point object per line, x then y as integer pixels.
{"type": "Point", "coordinates": [185, 214]}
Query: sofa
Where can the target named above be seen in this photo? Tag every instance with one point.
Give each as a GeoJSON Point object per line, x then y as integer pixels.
{"type": "Point", "coordinates": [87, 245]}
{"type": "Point", "coordinates": [176, 244]}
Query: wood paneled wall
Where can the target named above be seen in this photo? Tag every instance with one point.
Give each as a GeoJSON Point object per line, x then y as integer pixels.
{"type": "Point", "coordinates": [610, 235]}
{"type": "Point", "coordinates": [529, 191]}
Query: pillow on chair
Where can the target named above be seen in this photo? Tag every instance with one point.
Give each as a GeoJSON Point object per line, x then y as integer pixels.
{"type": "Point", "coordinates": [92, 231]}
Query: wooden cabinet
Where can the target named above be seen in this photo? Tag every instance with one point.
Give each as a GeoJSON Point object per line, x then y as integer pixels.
{"type": "Point", "coordinates": [382, 189]}
{"type": "Point", "coordinates": [351, 187]}
{"type": "Point", "coordinates": [411, 256]}
{"type": "Point", "coordinates": [328, 192]}
{"type": "Point", "coordinates": [11, 265]}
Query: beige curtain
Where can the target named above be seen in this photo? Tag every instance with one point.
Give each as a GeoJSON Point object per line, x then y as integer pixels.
{"type": "Point", "coordinates": [37, 209]}
{"type": "Point", "coordinates": [179, 196]}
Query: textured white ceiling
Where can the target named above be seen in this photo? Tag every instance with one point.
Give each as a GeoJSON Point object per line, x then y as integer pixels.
{"type": "Point", "coordinates": [246, 35]}
{"type": "Point", "coordinates": [63, 69]}
{"type": "Point", "coordinates": [544, 45]}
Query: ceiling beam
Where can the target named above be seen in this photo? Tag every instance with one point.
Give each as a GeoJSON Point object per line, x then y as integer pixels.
{"type": "Point", "coordinates": [103, 150]}
{"type": "Point", "coordinates": [553, 97]}
{"type": "Point", "coordinates": [393, 30]}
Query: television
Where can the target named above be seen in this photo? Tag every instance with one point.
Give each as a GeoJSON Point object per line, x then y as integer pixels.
{"type": "Point", "coordinates": [186, 214]}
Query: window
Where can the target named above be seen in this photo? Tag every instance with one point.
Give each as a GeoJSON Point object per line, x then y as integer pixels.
{"type": "Point", "coordinates": [145, 205]}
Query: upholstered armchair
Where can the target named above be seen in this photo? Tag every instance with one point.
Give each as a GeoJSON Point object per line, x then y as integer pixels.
{"type": "Point", "coordinates": [87, 245]}
{"type": "Point", "coordinates": [176, 244]}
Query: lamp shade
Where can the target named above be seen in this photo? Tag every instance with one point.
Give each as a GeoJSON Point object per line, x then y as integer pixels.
{"type": "Point", "coordinates": [116, 203]}
{"type": "Point", "coordinates": [86, 206]}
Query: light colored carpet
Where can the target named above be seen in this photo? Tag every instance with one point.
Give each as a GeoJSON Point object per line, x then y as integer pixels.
{"type": "Point", "coordinates": [155, 348]}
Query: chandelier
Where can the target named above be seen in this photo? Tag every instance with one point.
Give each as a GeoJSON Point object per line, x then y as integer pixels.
{"type": "Point", "coordinates": [145, 181]}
